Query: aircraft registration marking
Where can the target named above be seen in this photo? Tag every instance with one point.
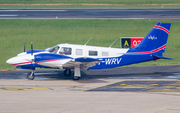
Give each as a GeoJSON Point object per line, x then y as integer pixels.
{"type": "Point", "coordinates": [141, 86]}
{"type": "Point", "coordinates": [111, 61]}
{"type": "Point", "coordinates": [22, 88]}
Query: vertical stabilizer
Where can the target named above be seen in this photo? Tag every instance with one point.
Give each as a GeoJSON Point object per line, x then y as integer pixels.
{"type": "Point", "coordinates": [155, 40]}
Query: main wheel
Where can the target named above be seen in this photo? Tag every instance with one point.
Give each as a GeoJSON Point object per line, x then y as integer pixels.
{"type": "Point", "coordinates": [67, 73]}
{"type": "Point", "coordinates": [30, 76]}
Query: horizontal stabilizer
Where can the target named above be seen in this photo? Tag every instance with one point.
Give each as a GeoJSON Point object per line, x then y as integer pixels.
{"type": "Point", "coordinates": [161, 57]}
{"type": "Point", "coordinates": [85, 59]}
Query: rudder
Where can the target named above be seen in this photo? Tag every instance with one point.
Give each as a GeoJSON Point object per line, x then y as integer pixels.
{"type": "Point", "coordinates": [155, 40]}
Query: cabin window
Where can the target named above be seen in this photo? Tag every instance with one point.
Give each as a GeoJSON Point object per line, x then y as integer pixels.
{"type": "Point", "coordinates": [105, 54]}
{"type": "Point", "coordinates": [93, 53]}
{"type": "Point", "coordinates": [53, 49]}
{"type": "Point", "coordinates": [65, 51]}
{"type": "Point", "coordinates": [79, 52]}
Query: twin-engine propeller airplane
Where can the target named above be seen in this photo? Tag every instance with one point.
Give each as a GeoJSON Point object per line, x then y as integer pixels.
{"type": "Point", "coordinates": [77, 57]}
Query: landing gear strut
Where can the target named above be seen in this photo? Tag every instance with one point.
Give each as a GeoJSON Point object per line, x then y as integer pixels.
{"type": "Point", "coordinates": [67, 73]}
{"type": "Point", "coordinates": [75, 76]}
{"type": "Point", "coordinates": [77, 73]}
{"type": "Point", "coordinates": [30, 75]}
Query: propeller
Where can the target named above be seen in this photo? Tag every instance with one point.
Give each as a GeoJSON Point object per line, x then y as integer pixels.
{"type": "Point", "coordinates": [32, 60]}
{"type": "Point", "coordinates": [31, 48]}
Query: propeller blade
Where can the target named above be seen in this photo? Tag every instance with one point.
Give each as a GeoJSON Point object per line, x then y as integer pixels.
{"type": "Point", "coordinates": [31, 48]}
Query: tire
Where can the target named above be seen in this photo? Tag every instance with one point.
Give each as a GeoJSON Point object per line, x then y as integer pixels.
{"type": "Point", "coordinates": [30, 76]}
{"type": "Point", "coordinates": [67, 73]}
{"type": "Point", "coordinates": [76, 78]}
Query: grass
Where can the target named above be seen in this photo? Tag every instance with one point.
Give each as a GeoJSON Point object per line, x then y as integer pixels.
{"type": "Point", "coordinates": [94, 1]}
{"type": "Point", "coordinates": [47, 33]}
{"type": "Point", "coordinates": [91, 6]}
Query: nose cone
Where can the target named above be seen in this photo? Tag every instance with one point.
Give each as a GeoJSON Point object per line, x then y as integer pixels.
{"type": "Point", "coordinates": [20, 60]}
{"type": "Point", "coordinates": [10, 61]}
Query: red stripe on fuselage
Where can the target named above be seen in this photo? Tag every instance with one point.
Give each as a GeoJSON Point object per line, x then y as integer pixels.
{"type": "Point", "coordinates": [162, 28]}
{"type": "Point", "coordinates": [21, 63]}
{"type": "Point", "coordinates": [155, 50]}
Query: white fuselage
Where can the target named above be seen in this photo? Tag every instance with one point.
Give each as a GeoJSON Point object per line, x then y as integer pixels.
{"type": "Point", "coordinates": [70, 50]}
{"type": "Point", "coordinates": [91, 51]}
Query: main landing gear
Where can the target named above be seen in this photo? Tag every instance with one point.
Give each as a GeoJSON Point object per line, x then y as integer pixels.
{"type": "Point", "coordinates": [75, 76]}
{"type": "Point", "coordinates": [67, 73]}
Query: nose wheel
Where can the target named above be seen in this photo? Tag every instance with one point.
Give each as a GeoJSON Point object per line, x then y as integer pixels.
{"type": "Point", "coordinates": [30, 76]}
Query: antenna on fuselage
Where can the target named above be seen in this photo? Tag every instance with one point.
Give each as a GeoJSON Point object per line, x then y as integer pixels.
{"type": "Point", "coordinates": [112, 44]}
{"type": "Point", "coordinates": [87, 41]}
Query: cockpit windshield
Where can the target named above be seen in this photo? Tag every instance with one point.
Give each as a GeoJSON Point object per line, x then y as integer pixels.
{"type": "Point", "coordinates": [53, 49]}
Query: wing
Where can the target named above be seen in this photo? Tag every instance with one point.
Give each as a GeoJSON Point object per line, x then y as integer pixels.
{"type": "Point", "coordinates": [83, 63]}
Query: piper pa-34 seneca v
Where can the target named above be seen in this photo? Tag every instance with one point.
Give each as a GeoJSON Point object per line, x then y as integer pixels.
{"type": "Point", "coordinates": [77, 57]}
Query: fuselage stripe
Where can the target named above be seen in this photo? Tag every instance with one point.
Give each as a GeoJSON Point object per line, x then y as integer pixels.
{"type": "Point", "coordinates": [162, 28]}
{"type": "Point", "coordinates": [153, 51]}
{"type": "Point", "coordinates": [21, 63]}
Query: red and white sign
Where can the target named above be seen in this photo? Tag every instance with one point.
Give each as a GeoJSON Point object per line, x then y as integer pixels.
{"type": "Point", "coordinates": [129, 42]}
{"type": "Point", "coordinates": [135, 41]}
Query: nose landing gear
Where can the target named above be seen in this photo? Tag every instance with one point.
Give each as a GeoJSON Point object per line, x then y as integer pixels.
{"type": "Point", "coordinates": [30, 75]}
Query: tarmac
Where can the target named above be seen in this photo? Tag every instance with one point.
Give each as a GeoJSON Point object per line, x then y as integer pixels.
{"type": "Point", "coordinates": [91, 13]}
{"type": "Point", "coordinates": [147, 92]}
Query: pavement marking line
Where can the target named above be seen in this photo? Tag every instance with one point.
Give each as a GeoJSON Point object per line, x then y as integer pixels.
{"type": "Point", "coordinates": [133, 86]}
{"type": "Point", "coordinates": [22, 89]}
{"type": "Point", "coordinates": [176, 84]}
{"type": "Point", "coordinates": [99, 87]}
{"type": "Point", "coordinates": [140, 86]}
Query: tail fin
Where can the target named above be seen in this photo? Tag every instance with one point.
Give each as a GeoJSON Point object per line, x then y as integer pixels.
{"type": "Point", "coordinates": [155, 41]}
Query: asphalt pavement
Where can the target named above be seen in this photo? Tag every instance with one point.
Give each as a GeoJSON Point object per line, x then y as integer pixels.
{"type": "Point", "coordinates": [144, 14]}
{"type": "Point", "coordinates": [142, 72]}
{"type": "Point", "coordinates": [148, 89]}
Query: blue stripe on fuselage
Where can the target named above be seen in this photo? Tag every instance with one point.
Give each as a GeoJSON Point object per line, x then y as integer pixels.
{"type": "Point", "coordinates": [49, 56]}
{"type": "Point", "coordinates": [122, 60]}
{"type": "Point", "coordinates": [35, 51]}
{"type": "Point", "coordinates": [31, 66]}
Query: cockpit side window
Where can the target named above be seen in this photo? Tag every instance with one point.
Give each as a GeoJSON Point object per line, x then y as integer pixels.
{"type": "Point", "coordinates": [65, 51]}
{"type": "Point", "coordinates": [54, 49]}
